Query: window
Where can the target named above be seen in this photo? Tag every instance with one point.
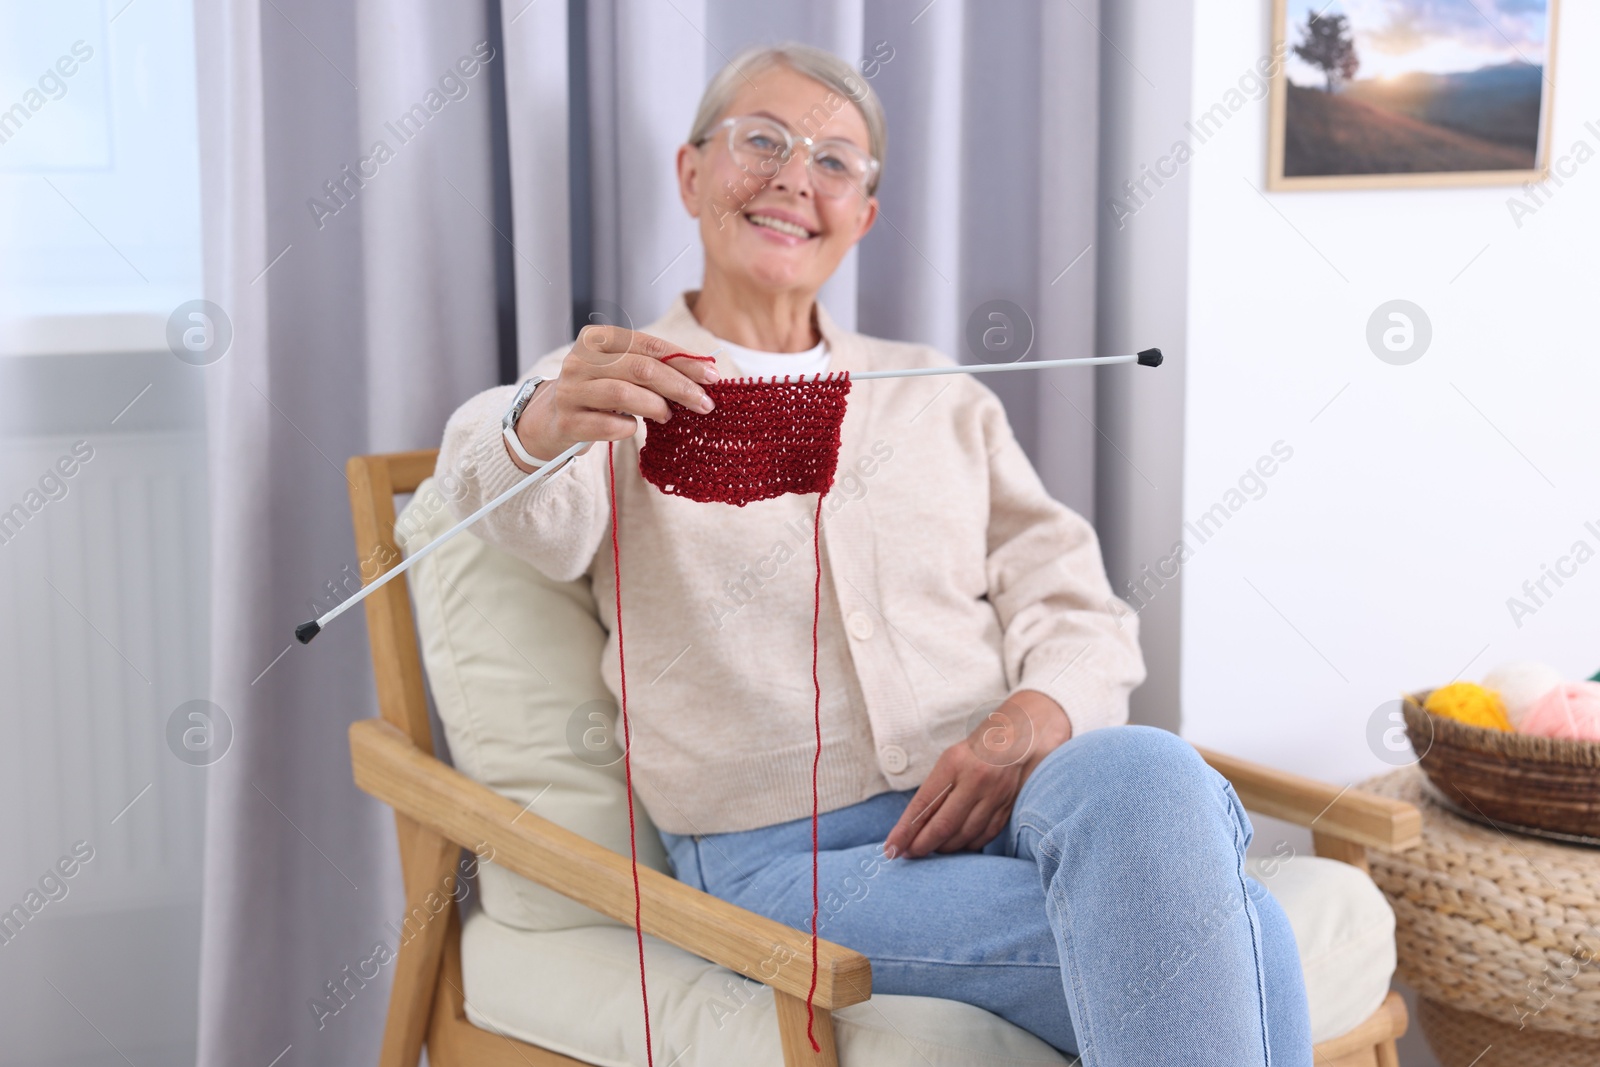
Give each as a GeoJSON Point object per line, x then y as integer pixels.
{"type": "Point", "coordinates": [99, 173]}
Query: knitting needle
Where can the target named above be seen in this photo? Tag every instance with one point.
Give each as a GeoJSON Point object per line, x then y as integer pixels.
{"type": "Point", "coordinates": [307, 630]}
{"type": "Point", "coordinates": [1149, 357]}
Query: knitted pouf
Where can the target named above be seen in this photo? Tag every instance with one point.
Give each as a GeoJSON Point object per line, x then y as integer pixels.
{"type": "Point", "coordinates": [1461, 1039]}
{"type": "Point", "coordinates": [1495, 923]}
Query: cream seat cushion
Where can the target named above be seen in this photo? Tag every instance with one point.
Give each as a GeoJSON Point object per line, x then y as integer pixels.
{"type": "Point", "coordinates": [512, 660]}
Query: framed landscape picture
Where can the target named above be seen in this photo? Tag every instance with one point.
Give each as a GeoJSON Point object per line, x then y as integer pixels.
{"type": "Point", "coordinates": [1387, 93]}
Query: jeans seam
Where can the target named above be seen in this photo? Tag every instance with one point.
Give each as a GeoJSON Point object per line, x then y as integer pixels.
{"type": "Point", "coordinates": [1231, 801]}
{"type": "Point", "coordinates": [699, 866]}
{"type": "Point", "coordinates": [1087, 1045]}
{"type": "Point", "coordinates": [960, 963]}
{"type": "Point", "coordinates": [1017, 836]}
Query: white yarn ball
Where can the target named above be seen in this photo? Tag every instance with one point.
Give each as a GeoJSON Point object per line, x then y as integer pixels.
{"type": "Point", "coordinates": [1520, 684]}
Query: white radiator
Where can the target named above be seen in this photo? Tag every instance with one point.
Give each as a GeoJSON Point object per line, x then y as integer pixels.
{"type": "Point", "coordinates": [103, 633]}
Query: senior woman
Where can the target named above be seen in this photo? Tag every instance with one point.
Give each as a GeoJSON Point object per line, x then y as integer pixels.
{"type": "Point", "coordinates": [991, 831]}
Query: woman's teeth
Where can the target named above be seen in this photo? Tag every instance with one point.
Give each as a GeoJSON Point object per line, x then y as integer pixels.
{"type": "Point", "coordinates": [778, 224]}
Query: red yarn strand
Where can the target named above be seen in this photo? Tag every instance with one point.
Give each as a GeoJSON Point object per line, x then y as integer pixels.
{"type": "Point", "coordinates": [761, 440]}
{"type": "Point", "coordinates": [816, 760]}
{"type": "Point", "coordinates": [627, 750]}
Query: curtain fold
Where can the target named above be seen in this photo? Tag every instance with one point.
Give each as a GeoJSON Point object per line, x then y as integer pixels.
{"type": "Point", "coordinates": [427, 215]}
{"type": "Point", "coordinates": [536, 36]}
{"type": "Point", "coordinates": [1067, 440]}
{"type": "Point", "coordinates": [647, 64]}
{"type": "Point", "coordinates": [346, 239]}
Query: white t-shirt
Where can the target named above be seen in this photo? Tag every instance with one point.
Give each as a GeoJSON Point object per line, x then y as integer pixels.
{"type": "Point", "coordinates": [758, 364]}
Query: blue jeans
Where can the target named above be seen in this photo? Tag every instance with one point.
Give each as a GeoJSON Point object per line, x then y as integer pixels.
{"type": "Point", "coordinates": [1111, 917]}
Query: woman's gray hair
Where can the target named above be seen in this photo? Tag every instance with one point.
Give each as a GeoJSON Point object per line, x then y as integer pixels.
{"type": "Point", "coordinates": [814, 63]}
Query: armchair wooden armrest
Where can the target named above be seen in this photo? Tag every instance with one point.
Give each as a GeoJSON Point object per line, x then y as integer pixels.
{"type": "Point", "coordinates": [1344, 823]}
{"type": "Point", "coordinates": [443, 800]}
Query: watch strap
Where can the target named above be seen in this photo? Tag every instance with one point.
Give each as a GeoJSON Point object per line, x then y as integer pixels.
{"type": "Point", "coordinates": [515, 444]}
{"type": "Point", "coordinates": [508, 425]}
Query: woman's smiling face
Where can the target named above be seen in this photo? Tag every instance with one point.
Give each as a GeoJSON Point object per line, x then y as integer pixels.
{"type": "Point", "coordinates": [775, 232]}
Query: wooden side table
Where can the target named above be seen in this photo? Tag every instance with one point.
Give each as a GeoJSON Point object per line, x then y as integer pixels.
{"type": "Point", "coordinates": [1499, 934]}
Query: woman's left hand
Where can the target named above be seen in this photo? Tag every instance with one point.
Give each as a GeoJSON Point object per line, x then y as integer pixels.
{"type": "Point", "coordinates": [967, 797]}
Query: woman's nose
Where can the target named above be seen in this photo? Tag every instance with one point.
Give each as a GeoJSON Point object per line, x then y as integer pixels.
{"type": "Point", "coordinates": [794, 176]}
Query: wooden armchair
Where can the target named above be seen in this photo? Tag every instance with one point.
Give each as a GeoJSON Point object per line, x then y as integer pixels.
{"type": "Point", "coordinates": [439, 811]}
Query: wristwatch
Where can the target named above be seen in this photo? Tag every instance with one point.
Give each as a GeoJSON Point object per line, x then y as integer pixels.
{"type": "Point", "coordinates": [508, 425]}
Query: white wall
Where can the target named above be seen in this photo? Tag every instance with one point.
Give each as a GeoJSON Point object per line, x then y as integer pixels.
{"type": "Point", "coordinates": [1418, 498]}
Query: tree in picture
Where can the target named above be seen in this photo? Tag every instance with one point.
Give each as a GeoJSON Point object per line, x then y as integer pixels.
{"type": "Point", "coordinates": [1329, 46]}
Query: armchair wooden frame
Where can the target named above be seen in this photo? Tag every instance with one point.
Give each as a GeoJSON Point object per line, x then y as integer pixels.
{"type": "Point", "coordinates": [439, 811]}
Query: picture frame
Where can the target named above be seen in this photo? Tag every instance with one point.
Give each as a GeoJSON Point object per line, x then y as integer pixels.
{"type": "Point", "coordinates": [1411, 122]}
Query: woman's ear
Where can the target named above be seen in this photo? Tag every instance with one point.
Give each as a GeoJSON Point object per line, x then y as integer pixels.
{"type": "Point", "coordinates": [869, 215]}
{"type": "Point", "coordinates": [689, 178]}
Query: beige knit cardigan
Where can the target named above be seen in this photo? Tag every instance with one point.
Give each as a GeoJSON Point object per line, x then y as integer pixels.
{"type": "Point", "coordinates": [950, 578]}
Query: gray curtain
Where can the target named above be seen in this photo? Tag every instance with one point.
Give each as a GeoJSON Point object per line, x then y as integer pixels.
{"type": "Point", "coordinates": [361, 316]}
{"type": "Point", "coordinates": [360, 329]}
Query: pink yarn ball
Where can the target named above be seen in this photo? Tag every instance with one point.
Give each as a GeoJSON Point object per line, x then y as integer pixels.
{"type": "Point", "coordinates": [1570, 711]}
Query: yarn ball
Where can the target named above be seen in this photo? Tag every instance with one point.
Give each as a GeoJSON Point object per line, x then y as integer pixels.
{"type": "Point", "coordinates": [1521, 683]}
{"type": "Point", "coordinates": [1570, 711]}
{"type": "Point", "coordinates": [1470, 703]}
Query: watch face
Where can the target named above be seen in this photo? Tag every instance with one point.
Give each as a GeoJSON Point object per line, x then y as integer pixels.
{"type": "Point", "coordinates": [524, 395]}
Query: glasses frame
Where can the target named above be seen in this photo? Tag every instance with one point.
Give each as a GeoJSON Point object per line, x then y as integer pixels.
{"type": "Point", "coordinates": [789, 142]}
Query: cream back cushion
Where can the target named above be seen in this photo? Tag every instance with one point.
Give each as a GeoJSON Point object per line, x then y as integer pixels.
{"type": "Point", "coordinates": [513, 662]}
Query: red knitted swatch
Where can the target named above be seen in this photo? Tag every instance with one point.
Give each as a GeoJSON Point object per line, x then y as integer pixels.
{"type": "Point", "coordinates": [761, 440]}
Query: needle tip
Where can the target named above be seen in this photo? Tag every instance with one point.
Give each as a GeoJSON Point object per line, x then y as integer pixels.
{"type": "Point", "coordinates": [307, 630]}
{"type": "Point", "coordinates": [1150, 357]}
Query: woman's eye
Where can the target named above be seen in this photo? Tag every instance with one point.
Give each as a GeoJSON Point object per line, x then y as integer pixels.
{"type": "Point", "coordinates": [833, 164]}
{"type": "Point", "coordinates": [762, 143]}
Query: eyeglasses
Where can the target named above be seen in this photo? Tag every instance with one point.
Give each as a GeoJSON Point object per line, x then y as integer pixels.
{"type": "Point", "coordinates": [763, 146]}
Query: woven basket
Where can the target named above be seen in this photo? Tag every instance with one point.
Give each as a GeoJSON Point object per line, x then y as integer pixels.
{"type": "Point", "coordinates": [1503, 926]}
{"type": "Point", "coordinates": [1460, 1039]}
{"type": "Point", "coordinates": [1540, 782]}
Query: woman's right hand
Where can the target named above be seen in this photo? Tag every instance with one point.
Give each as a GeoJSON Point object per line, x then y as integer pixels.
{"type": "Point", "coordinates": [608, 377]}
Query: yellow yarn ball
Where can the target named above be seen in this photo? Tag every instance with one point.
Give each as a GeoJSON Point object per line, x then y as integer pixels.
{"type": "Point", "coordinates": [1470, 703]}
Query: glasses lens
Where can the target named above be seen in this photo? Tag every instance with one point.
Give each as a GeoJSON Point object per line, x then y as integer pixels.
{"type": "Point", "coordinates": [838, 166]}
{"type": "Point", "coordinates": [758, 145]}
{"type": "Point", "coordinates": [762, 146]}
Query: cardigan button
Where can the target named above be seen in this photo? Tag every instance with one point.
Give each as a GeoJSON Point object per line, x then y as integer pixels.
{"type": "Point", "coordinates": [895, 759]}
{"type": "Point", "coordinates": [860, 625]}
